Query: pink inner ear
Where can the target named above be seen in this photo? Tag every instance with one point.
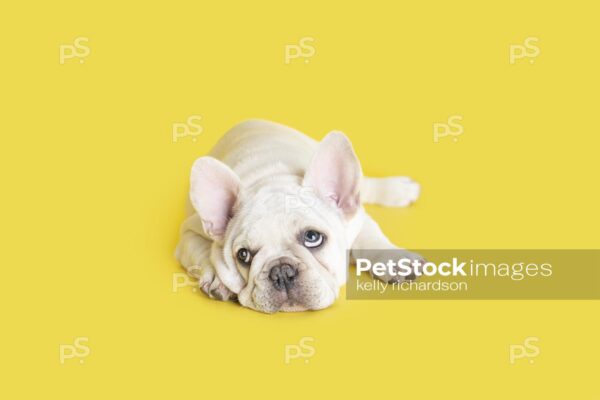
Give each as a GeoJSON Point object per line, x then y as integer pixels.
{"type": "Point", "coordinates": [335, 172]}
{"type": "Point", "coordinates": [213, 193]}
{"type": "Point", "coordinates": [217, 210]}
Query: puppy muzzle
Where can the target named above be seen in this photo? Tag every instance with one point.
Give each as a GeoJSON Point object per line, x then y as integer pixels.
{"type": "Point", "coordinates": [283, 276]}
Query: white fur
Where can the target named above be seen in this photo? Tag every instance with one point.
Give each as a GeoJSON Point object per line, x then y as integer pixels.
{"type": "Point", "coordinates": [261, 185]}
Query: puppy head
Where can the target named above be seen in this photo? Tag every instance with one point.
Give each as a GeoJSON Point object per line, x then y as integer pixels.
{"type": "Point", "coordinates": [283, 246]}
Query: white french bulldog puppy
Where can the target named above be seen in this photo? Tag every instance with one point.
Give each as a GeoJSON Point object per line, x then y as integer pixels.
{"type": "Point", "coordinates": [275, 213]}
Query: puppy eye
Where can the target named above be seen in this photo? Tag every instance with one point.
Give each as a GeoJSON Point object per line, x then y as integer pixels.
{"type": "Point", "coordinates": [244, 256]}
{"type": "Point", "coordinates": [313, 239]}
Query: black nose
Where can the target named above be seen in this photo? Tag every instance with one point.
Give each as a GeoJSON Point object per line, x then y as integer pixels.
{"type": "Point", "coordinates": [282, 276]}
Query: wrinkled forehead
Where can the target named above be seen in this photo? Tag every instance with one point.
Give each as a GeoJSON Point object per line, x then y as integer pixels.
{"type": "Point", "coordinates": [285, 203]}
{"type": "Point", "coordinates": [285, 199]}
{"type": "Point", "coordinates": [275, 217]}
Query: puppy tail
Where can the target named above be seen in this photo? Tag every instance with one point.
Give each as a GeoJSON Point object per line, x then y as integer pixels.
{"type": "Point", "coordinates": [395, 191]}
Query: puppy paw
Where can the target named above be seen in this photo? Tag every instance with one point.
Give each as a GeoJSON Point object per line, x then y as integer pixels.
{"type": "Point", "coordinates": [209, 282]}
{"type": "Point", "coordinates": [218, 291]}
{"type": "Point", "coordinates": [398, 191]}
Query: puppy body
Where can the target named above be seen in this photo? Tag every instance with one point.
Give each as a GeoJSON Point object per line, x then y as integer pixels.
{"type": "Point", "coordinates": [263, 189]}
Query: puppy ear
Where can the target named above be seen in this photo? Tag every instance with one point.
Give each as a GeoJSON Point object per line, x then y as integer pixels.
{"type": "Point", "coordinates": [214, 189]}
{"type": "Point", "coordinates": [335, 173]}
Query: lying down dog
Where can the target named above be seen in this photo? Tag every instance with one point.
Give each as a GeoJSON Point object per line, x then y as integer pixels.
{"type": "Point", "coordinates": [274, 214]}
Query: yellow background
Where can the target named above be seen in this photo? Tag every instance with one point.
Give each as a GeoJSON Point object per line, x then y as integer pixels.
{"type": "Point", "coordinates": [93, 191]}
